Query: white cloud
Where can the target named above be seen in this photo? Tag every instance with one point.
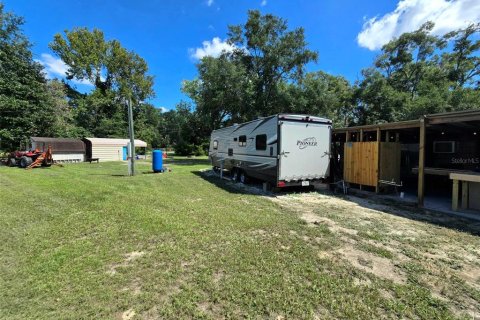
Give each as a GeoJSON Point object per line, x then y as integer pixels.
{"type": "Point", "coordinates": [264, 3]}
{"type": "Point", "coordinates": [209, 3]}
{"type": "Point", "coordinates": [56, 68]}
{"type": "Point", "coordinates": [211, 48]}
{"type": "Point", "coordinates": [163, 109]}
{"type": "Point", "coordinates": [409, 15]}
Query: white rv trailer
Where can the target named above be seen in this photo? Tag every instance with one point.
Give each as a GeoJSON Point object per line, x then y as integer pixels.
{"type": "Point", "coordinates": [284, 149]}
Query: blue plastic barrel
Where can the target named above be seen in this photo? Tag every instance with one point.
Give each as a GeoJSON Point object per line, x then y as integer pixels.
{"type": "Point", "coordinates": [157, 160]}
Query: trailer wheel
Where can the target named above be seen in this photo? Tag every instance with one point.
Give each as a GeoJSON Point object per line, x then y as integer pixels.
{"type": "Point", "coordinates": [25, 161]}
{"type": "Point", "coordinates": [234, 174]}
{"type": "Point", "coordinates": [11, 162]}
{"type": "Point", "coordinates": [243, 177]}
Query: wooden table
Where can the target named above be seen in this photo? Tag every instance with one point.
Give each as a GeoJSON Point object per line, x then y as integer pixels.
{"type": "Point", "coordinates": [465, 179]}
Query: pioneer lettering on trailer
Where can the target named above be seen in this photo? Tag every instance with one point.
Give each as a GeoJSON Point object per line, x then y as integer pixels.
{"type": "Point", "coordinates": [307, 142]}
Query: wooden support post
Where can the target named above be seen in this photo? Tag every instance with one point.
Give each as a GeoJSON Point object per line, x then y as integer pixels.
{"type": "Point", "coordinates": [387, 136]}
{"type": "Point", "coordinates": [347, 136]}
{"type": "Point", "coordinates": [360, 139]}
{"type": "Point", "coordinates": [421, 162]}
{"type": "Point", "coordinates": [464, 194]}
{"type": "Point", "coordinates": [379, 142]}
{"type": "Point", "coordinates": [397, 137]}
{"type": "Point", "coordinates": [455, 195]}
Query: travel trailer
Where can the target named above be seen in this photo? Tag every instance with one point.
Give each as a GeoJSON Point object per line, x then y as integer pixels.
{"type": "Point", "coordinates": [284, 150]}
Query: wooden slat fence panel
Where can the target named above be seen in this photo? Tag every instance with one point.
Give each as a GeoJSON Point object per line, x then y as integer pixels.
{"type": "Point", "coordinates": [361, 163]}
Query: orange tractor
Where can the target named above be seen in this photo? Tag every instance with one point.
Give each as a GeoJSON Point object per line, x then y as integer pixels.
{"type": "Point", "coordinates": [30, 159]}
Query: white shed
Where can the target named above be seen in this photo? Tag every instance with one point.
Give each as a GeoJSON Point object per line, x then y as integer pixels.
{"type": "Point", "coordinates": [109, 149]}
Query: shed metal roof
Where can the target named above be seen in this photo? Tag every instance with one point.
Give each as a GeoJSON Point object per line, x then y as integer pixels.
{"type": "Point", "coordinates": [115, 142]}
{"type": "Point", "coordinates": [48, 139]}
{"type": "Point", "coordinates": [431, 119]}
{"type": "Point", "coordinates": [60, 145]}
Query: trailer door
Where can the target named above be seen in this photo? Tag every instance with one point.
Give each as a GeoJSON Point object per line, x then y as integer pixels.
{"type": "Point", "coordinates": [304, 151]}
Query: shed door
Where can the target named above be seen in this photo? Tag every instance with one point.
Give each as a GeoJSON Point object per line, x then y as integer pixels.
{"type": "Point", "coordinates": [304, 150]}
{"type": "Point", "coordinates": [125, 151]}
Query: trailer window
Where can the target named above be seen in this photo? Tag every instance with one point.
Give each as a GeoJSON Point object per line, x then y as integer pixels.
{"type": "Point", "coordinates": [215, 144]}
{"type": "Point", "coordinates": [242, 141]}
{"type": "Point", "coordinates": [261, 142]}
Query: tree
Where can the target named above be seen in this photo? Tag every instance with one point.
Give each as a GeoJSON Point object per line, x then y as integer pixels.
{"type": "Point", "coordinates": [221, 91]}
{"type": "Point", "coordinates": [321, 94]}
{"type": "Point", "coordinates": [147, 123]}
{"type": "Point", "coordinates": [116, 73]}
{"type": "Point", "coordinates": [106, 64]}
{"type": "Point", "coordinates": [25, 106]}
{"type": "Point", "coordinates": [270, 55]}
{"type": "Point", "coordinates": [420, 73]}
{"type": "Point", "coordinates": [65, 124]}
{"type": "Point", "coordinates": [463, 63]}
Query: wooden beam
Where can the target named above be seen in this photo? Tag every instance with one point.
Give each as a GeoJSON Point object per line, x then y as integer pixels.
{"type": "Point", "coordinates": [410, 124]}
{"type": "Point", "coordinates": [379, 142]}
{"type": "Point", "coordinates": [453, 119]}
{"type": "Point", "coordinates": [472, 177]}
{"type": "Point", "coordinates": [421, 162]}
{"type": "Point", "coordinates": [455, 195]}
{"type": "Point", "coordinates": [464, 194]}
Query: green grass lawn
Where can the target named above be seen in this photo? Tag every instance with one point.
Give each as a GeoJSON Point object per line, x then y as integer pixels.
{"type": "Point", "coordinates": [85, 241]}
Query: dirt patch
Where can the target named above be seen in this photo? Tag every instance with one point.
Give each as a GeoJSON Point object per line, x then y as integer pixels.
{"type": "Point", "coordinates": [379, 266]}
{"type": "Point", "coordinates": [397, 244]}
{"type": "Point", "coordinates": [133, 255]}
{"type": "Point", "coordinates": [210, 309]}
{"type": "Point", "coordinates": [129, 258]}
{"type": "Point", "coordinates": [218, 276]}
{"type": "Point", "coordinates": [129, 314]}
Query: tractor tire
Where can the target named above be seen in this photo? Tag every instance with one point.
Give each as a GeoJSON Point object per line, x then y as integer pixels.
{"type": "Point", "coordinates": [11, 162]}
{"type": "Point", "coordinates": [47, 163]}
{"type": "Point", "coordinates": [25, 161]}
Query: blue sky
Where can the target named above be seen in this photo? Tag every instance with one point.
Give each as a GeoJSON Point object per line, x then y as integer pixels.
{"type": "Point", "coordinates": [168, 33]}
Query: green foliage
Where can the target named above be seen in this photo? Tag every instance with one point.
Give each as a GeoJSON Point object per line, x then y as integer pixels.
{"type": "Point", "coordinates": [106, 64]}
{"type": "Point", "coordinates": [270, 54]}
{"type": "Point", "coordinates": [222, 93]}
{"type": "Point", "coordinates": [420, 73]}
{"type": "Point", "coordinates": [321, 94]}
{"type": "Point", "coordinates": [117, 74]}
{"type": "Point", "coordinates": [26, 108]}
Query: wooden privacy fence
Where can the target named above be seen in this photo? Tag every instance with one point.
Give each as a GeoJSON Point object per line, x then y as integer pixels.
{"type": "Point", "coordinates": [365, 163]}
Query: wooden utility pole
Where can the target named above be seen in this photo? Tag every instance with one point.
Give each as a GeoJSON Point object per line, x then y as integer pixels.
{"type": "Point", "coordinates": [421, 162]}
{"type": "Point", "coordinates": [131, 167]}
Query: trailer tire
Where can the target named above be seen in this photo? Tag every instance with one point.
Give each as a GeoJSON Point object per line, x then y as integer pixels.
{"type": "Point", "coordinates": [243, 177]}
{"type": "Point", "coordinates": [11, 162]}
{"type": "Point", "coordinates": [25, 161]}
{"type": "Point", "coordinates": [235, 175]}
